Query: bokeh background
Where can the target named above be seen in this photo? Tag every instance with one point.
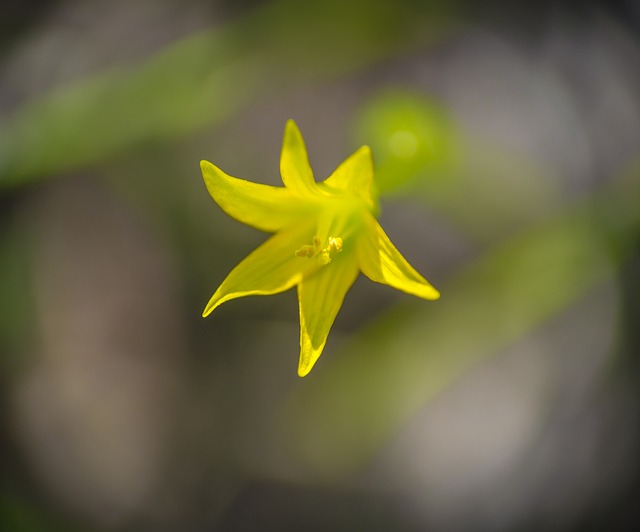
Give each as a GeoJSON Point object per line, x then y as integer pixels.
{"type": "Point", "coordinates": [506, 138]}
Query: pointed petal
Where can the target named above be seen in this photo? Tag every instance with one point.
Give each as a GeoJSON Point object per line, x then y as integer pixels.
{"type": "Point", "coordinates": [264, 207]}
{"type": "Point", "coordinates": [269, 269]}
{"type": "Point", "coordinates": [320, 298]}
{"type": "Point", "coordinates": [294, 162]}
{"type": "Point", "coordinates": [381, 262]}
{"type": "Point", "coordinates": [355, 175]}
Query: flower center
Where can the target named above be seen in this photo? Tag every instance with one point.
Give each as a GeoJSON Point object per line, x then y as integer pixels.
{"type": "Point", "coordinates": [322, 254]}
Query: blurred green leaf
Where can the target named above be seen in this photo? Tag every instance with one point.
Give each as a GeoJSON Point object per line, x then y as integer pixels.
{"type": "Point", "coordinates": [17, 512]}
{"type": "Point", "coordinates": [17, 297]}
{"type": "Point", "coordinates": [410, 135]}
{"type": "Point", "coordinates": [419, 150]}
{"type": "Point", "coordinates": [202, 80]}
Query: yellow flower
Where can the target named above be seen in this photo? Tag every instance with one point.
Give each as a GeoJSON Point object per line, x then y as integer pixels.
{"type": "Point", "coordinates": [325, 234]}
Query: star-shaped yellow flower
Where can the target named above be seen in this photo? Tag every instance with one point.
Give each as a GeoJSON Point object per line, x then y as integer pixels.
{"type": "Point", "coordinates": [325, 234]}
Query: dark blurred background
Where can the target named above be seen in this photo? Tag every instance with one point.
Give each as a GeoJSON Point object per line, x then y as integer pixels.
{"type": "Point", "coordinates": [506, 138]}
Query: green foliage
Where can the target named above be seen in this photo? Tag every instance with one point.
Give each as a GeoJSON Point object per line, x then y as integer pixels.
{"type": "Point", "coordinates": [198, 82]}
{"type": "Point", "coordinates": [421, 152]}
{"type": "Point", "coordinates": [412, 137]}
{"type": "Point", "coordinates": [136, 126]}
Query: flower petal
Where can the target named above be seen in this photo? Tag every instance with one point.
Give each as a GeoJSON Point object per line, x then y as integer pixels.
{"type": "Point", "coordinates": [264, 207]}
{"type": "Point", "coordinates": [320, 297]}
{"type": "Point", "coordinates": [381, 262]}
{"type": "Point", "coordinates": [355, 174]}
{"type": "Point", "coordinates": [295, 170]}
{"type": "Point", "coordinates": [269, 269]}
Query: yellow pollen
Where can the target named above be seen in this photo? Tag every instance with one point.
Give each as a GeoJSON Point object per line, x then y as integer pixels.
{"type": "Point", "coordinates": [323, 255]}
{"type": "Point", "coordinates": [306, 251]}
{"type": "Point", "coordinates": [324, 258]}
{"type": "Point", "coordinates": [335, 244]}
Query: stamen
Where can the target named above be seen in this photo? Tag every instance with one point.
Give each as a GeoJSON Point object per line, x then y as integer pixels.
{"type": "Point", "coordinates": [324, 258]}
{"type": "Point", "coordinates": [306, 251]}
{"type": "Point", "coordinates": [323, 255]}
{"type": "Point", "coordinates": [335, 244]}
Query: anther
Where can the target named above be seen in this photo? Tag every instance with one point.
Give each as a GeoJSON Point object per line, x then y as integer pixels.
{"type": "Point", "coordinates": [306, 251]}
{"type": "Point", "coordinates": [323, 256]}
{"type": "Point", "coordinates": [335, 244]}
